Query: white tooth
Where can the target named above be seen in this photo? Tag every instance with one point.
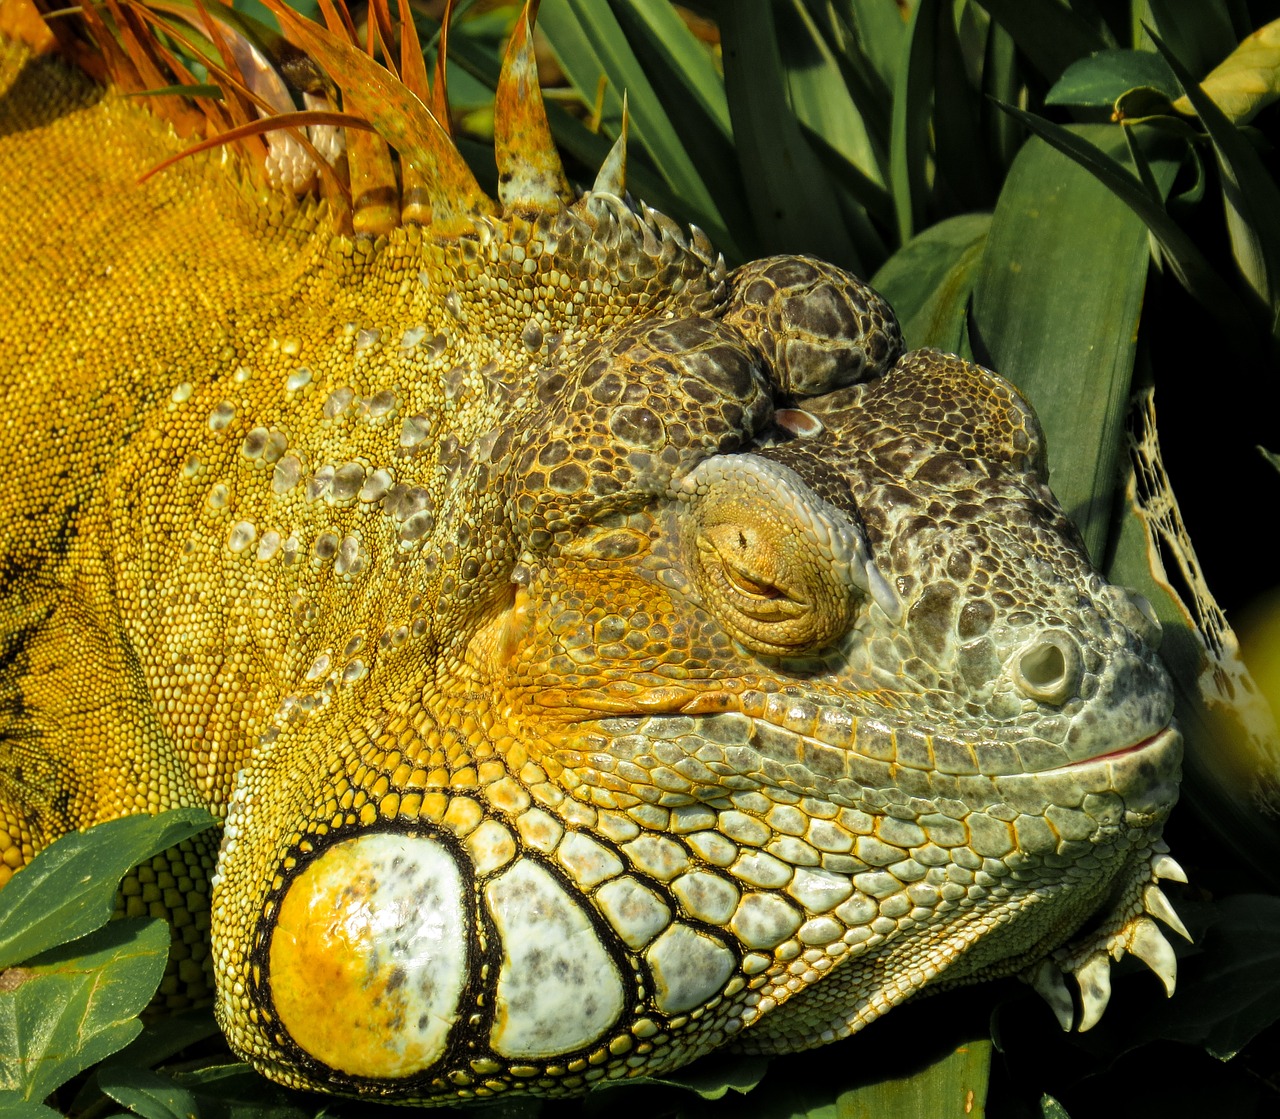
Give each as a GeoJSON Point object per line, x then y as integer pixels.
{"type": "Point", "coordinates": [1094, 977]}
{"type": "Point", "coordinates": [1147, 942]}
{"type": "Point", "coordinates": [1165, 866]}
{"type": "Point", "coordinates": [1155, 903]}
{"type": "Point", "coordinates": [1047, 981]}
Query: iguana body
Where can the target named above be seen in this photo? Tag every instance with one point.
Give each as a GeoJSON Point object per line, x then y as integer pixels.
{"type": "Point", "coordinates": [576, 703]}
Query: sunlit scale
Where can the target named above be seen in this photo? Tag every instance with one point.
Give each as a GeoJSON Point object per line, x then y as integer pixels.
{"type": "Point", "coordinates": [368, 958]}
{"type": "Point", "coordinates": [558, 989]}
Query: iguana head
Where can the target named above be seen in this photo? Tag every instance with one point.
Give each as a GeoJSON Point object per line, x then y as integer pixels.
{"type": "Point", "coordinates": [670, 660]}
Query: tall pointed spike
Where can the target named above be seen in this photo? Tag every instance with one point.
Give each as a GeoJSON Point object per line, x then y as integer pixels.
{"type": "Point", "coordinates": [337, 18]}
{"type": "Point", "coordinates": [399, 118]}
{"type": "Point", "coordinates": [413, 67]}
{"type": "Point", "coordinates": [375, 194]}
{"type": "Point", "coordinates": [121, 71]}
{"type": "Point", "coordinates": [382, 32]}
{"type": "Point", "coordinates": [415, 201]}
{"type": "Point", "coordinates": [439, 103]}
{"type": "Point", "coordinates": [135, 43]}
{"type": "Point", "coordinates": [1147, 942]}
{"type": "Point", "coordinates": [1094, 977]}
{"type": "Point", "coordinates": [612, 176]}
{"type": "Point", "coordinates": [530, 175]}
{"type": "Point", "coordinates": [138, 42]}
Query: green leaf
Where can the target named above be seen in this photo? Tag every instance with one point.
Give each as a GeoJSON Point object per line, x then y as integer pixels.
{"type": "Point", "coordinates": [691, 90]}
{"type": "Point", "coordinates": [1052, 1109]}
{"type": "Point", "coordinates": [78, 1003]}
{"type": "Point", "coordinates": [1249, 192]}
{"type": "Point", "coordinates": [878, 31]}
{"type": "Point", "coordinates": [1229, 992]}
{"type": "Point", "coordinates": [148, 1094]}
{"type": "Point", "coordinates": [1184, 257]}
{"type": "Point", "coordinates": [1001, 82]}
{"type": "Point", "coordinates": [834, 124]}
{"type": "Point", "coordinates": [954, 1085]}
{"type": "Point", "coordinates": [715, 1076]}
{"type": "Point", "coordinates": [1142, 103]}
{"type": "Point", "coordinates": [787, 188]}
{"type": "Point", "coordinates": [236, 1091]}
{"type": "Point", "coordinates": [1270, 456]}
{"type": "Point", "coordinates": [846, 46]}
{"type": "Point", "coordinates": [1056, 311]}
{"type": "Point", "coordinates": [1047, 32]}
{"type": "Point", "coordinates": [13, 1106]}
{"type": "Point", "coordinates": [909, 137]}
{"type": "Point", "coordinates": [1200, 34]}
{"type": "Point", "coordinates": [929, 280]}
{"type": "Point", "coordinates": [1247, 80]}
{"type": "Point", "coordinates": [69, 888]}
{"type": "Point", "coordinates": [193, 90]}
{"type": "Point", "coordinates": [683, 59]}
{"type": "Point", "coordinates": [166, 1036]}
{"type": "Point", "coordinates": [1102, 78]}
{"type": "Point", "coordinates": [962, 170]}
{"type": "Point", "coordinates": [590, 44]}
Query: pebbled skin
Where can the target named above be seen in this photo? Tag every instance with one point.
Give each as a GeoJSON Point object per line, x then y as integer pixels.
{"type": "Point", "coordinates": [598, 656]}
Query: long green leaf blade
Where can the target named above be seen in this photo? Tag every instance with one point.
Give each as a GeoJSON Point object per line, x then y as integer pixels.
{"type": "Point", "coordinates": [1189, 264]}
{"type": "Point", "coordinates": [1047, 32]}
{"type": "Point", "coordinates": [786, 185]}
{"type": "Point", "coordinates": [909, 143]}
{"type": "Point", "coordinates": [590, 44]}
{"type": "Point", "coordinates": [1249, 192]}
{"type": "Point", "coordinates": [929, 280]}
{"type": "Point", "coordinates": [1056, 309]}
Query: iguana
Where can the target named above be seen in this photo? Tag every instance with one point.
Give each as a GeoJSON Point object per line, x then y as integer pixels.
{"type": "Point", "coordinates": [597, 656]}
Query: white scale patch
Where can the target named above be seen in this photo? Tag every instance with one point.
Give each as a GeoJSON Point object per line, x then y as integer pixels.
{"type": "Point", "coordinates": [558, 989]}
{"type": "Point", "coordinates": [689, 968]}
{"type": "Point", "coordinates": [636, 913]}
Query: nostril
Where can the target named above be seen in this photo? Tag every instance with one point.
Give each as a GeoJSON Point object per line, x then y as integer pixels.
{"type": "Point", "coordinates": [1048, 669]}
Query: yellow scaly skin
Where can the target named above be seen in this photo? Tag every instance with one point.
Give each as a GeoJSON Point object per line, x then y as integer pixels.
{"type": "Point", "coordinates": [597, 657]}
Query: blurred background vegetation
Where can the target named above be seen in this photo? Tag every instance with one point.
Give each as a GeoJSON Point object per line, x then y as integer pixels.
{"type": "Point", "coordinates": [1082, 195]}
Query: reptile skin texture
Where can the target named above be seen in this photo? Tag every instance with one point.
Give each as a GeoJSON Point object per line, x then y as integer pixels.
{"type": "Point", "coordinates": [596, 655]}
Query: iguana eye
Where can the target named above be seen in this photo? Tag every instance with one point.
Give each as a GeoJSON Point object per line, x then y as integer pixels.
{"type": "Point", "coordinates": [782, 569]}
{"type": "Point", "coordinates": [739, 565]}
{"type": "Point", "coordinates": [752, 588]}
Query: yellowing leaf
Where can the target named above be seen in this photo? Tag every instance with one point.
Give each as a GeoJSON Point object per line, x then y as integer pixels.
{"type": "Point", "coordinates": [1247, 80]}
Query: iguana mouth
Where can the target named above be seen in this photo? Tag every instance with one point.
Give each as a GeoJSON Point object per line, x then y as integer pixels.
{"type": "Point", "coordinates": [1152, 742]}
